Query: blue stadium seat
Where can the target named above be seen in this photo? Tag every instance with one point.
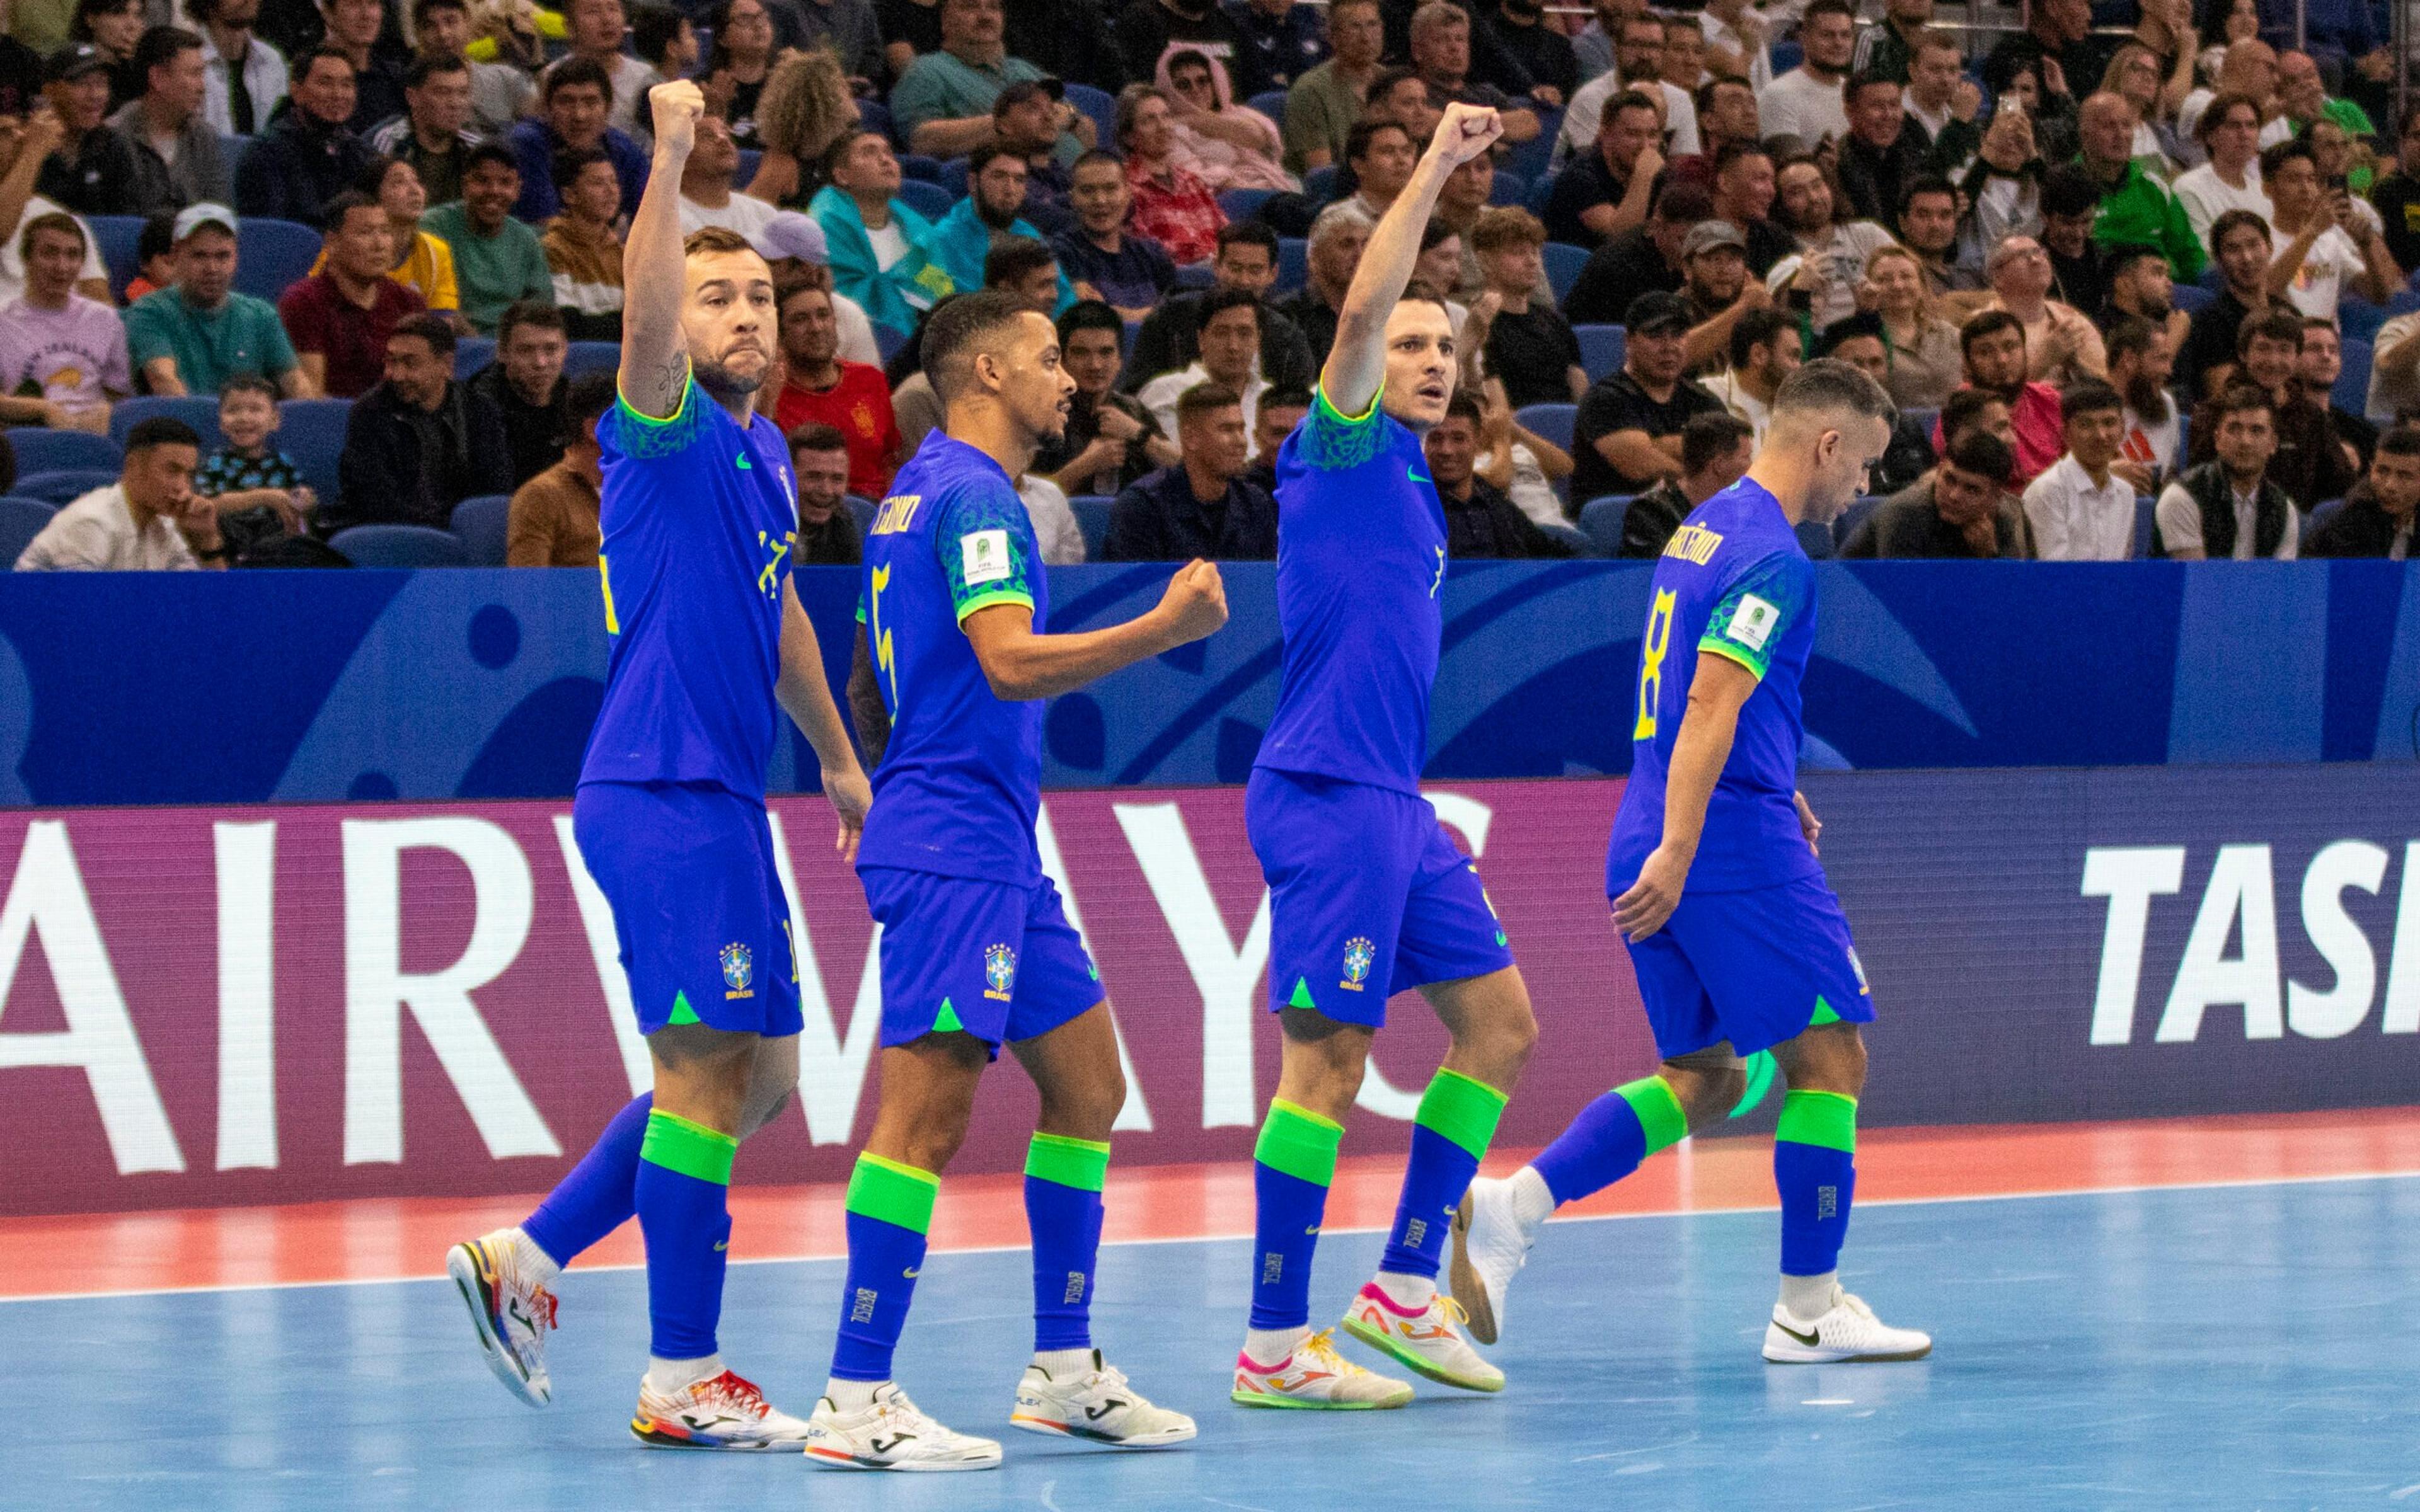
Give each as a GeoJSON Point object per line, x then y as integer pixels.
{"type": "Point", "coordinates": [1787, 55]}
{"type": "Point", "coordinates": [1571, 537]}
{"type": "Point", "coordinates": [1852, 516]}
{"type": "Point", "coordinates": [63, 486]}
{"type": "Point", "coordinates": [1127, 340]}
{"type": "Point", "coordinates": [1269, 102]}
{"type": "Point", "coordinates": [1100, 105]}
{"type": "Point", "coordinates": [312, 432]}
{"type": "Point", "coordinates": [1815, 540]}
{"type": "Point", "coordinates": [870, 114]}
{"type": "Point", "coordinates": [272, 256]}
{"type": "Point", "coordinates": [1093, 518]}
{"type": "Point", "coordinates": [1510, 188]}
{"type": "Point", "coordinates": [400, 546]}
{"type": "Point", "coordinates": [2191, 298]}
{"type": "Point", "coordinates": [1531, 159]}
{"type": "Point", "coordinates": [116, 236]}
{"type": "Point", "coordinates": [1601, 522]}
{"type": "Point", "coordinates": [2311, 523]}
{"type": "Point", "coordinates": [1542, 188]}
{"type": "Point", "coordinates": [954, 178]}
{"type": "Point", "coordinates": [931, 201]}
{"type": "Point", "coordinates": [2145, 511]}
{"type": "Point", "coordinates": [2351, 390]}
{"type": "Point", "coordinates": [50, 451]}
{"type": "Point", "coordinates": [2184, 439]}
{"type": "Point", "coordinates": [472, 353]}
{"type": "Point", "coordinates": [198, 410]}
{"type": "Point", "coordinates": [861, 511]}
{"type": "Point", "coordinates": [1552, 422]}
{"type": "Point", "coordinates": [1601, 348]}
{"type": "Point", "coordinates": [1320, 184]}
{"type": "Point", "coordinates": [2404, 301]}
{"type": "Point", "coordinates": [1564, 264]}
{"type": "Point", "coordinates": [479, 525]}
{"type": "Point", "coordinates": [917, 165]}
{"type": "Point", "coordinates": [21, 520]}
{"type": "Point", "coordinates": [592, 357]}
{"type": "Point", "coordinates": [1294, 264]}
{"type": "Point", "coordinates": [1196, 275]}
{"type": "Point", "coordinates": [1243, 204]}
{"type": "Point", "coordinates": [749, 159]}
{"type": "Point", "coordinates": [2357, 319]}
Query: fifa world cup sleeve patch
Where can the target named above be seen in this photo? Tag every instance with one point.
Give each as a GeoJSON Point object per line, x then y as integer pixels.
{"type": "Point", "coordinates": [984, 557]}
{"type": "Point", "coordinates": [986, 549]}
{"type": "Point", "coordinates": [1753, 613]}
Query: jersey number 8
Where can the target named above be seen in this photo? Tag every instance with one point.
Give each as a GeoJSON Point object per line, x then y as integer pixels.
{"type": "Point", "coordinates": [1650, 662]}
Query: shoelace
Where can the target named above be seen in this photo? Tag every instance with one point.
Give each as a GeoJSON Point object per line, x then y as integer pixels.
{"type": "Point", "coordinates": [1451, 1308]}
{"type": "Point", "coordinates": [542, 1306]}
{"type": "Point", "coordinates": [736, 1392]}
{"type": "Point", "coordinates": [1322, 1347]}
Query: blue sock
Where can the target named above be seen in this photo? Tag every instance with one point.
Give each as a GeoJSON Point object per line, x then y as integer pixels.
{"type": "Point", "coordinates": [1815, 1169]}
{"type": "Point", "coordinates": [683, 1178]}
{"type": "Point", "coordinates": [1610, 1138]}
{"type": "Point", "coordinates": [1293, 1166]}
{"type": "Point", "coordinates": [601, 1193]}
{"type": "Point", "coordinates": [890, 1209]}
{"type": "Point", "coordinates": [1449, 1133]}
{"type": "Point", "coordinates": [1062, 1209]}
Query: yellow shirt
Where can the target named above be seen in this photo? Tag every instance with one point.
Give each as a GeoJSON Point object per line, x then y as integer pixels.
{"type": "Point", "coordinates": [428, 271]}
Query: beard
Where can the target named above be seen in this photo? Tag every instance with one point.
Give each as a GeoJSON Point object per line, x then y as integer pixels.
{"type": "Point", "coordinates": [2147, 398]}
{"type": "Point", "coordinates": [723, 385]}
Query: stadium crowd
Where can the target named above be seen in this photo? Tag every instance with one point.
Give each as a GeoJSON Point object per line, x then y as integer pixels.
{"type": "Point", "coordinates": [2137, 292]}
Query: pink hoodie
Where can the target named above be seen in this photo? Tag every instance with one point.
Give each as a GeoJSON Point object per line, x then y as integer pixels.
{"type": "Point", "coordinates": [1216, 161]}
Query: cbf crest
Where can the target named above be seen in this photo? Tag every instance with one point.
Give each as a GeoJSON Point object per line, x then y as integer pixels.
{"type": "Point", "coordinates": [1000, 972]}
{"type": "Point", "coordinates": [1357, 956]}
{"type": "Point", "coordinates": [738, 971]}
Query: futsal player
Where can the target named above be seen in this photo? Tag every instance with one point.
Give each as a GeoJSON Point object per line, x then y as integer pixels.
{"type": "Point", "coordinates": [1368, 897]}
{"type": "Point", "coordinates": [977, 951]}
{"type": "Point", "coordinates": [1737, 940]}
{"type": "Point", "coordinates": [708, 646]}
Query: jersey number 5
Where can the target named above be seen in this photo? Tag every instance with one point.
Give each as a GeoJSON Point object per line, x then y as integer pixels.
{"type": "Point", "coordinates": [1650, 662]}
{"type": "Point", "coordinates": [883, 657]}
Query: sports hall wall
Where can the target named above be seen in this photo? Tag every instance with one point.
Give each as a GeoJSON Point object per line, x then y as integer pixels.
{"type": "Point", "coordinates": [2124, 840]}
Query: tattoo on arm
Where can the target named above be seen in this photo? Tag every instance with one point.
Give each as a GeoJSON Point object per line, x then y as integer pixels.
{"type": "Point", "coordinates": [866, 707]}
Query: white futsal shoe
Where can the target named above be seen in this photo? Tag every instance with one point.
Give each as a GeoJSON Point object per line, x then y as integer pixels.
{"type": "Point", "coordinates": [1426, 1341]}
{"type": "Point", "coordinates": [891, 1433]}
{"type": "Point", "coordinates": [1097, 1406]}
{"type": "Point", "coordinates": [1849, 1332]}
{"type": "Point", "coordinates": [510, 1310]}
{"type": "Point", "coordinates": [725, 1411]}
{"type": "Point", "coordinates": [1490, 1245]}
{"type": "Point", "coordinates": [1315, 1376]}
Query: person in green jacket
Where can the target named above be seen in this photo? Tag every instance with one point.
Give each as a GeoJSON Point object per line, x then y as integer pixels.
{"type": "Point", "coordinates": [2135, 207]}
{"type": "Point", "coordinates": [878, 246]}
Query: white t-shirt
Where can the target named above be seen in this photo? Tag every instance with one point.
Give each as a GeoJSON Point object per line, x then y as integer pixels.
{"type": "Point", "coordinates": [2179, 521]}
{"type": "Point", "coordinates": [1585, 112]}
{"type": "Point", "coordinates": [2387, 396]}
{"type": "Point", "coordinates": [1840, 260]}
{"type": "Point", "coordinates": [2319, 284]}
{"type": "Point", "coordinates": [889, 245]}
{"type": "Point", "coordinates": [2153, 445]}
{"type": "Point", "coordinates": [1720, 33]}
{"type": "Point", "coordinates": [2074, 521]}
{"type": "Point", "coordinates": [857, 343]}
{"type": "Point", "coordinates": [775, 233]}
{"type": "Point", "coordinates": [1798, 105]}
{"type": "Point", "coordinates": [1055, 529]}
{"type": "Point", "coordinates": [97, 534]}
{"type": "Point", "coordinates": [12, 259]}
{"type": "Point", "coordinates": [1746, 406]}
{"type": "Point", "coordinates": [2206, 197]}
{"type": "Point", "coordinates": [1159, 397]}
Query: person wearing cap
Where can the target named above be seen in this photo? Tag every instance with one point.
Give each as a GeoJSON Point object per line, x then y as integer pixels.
{"type": "Point", "coordinates": [1606, 191]}
{"type": "Point", "coordinates": [498, 261]}
{"type": "Point", "coordinates": [2135, 207]}
{"type": "Point", "coordinates": [194, 335]}
{"type": "Point", "coordinates": [1028, 119]}
{"type": "Point", "coordinates": [1627, 433]}
{"type": "Point", "coordinates": [1879, 157]}
{"type": "Point", "coordinates": [1715, 287]}
{"type": "Point", "coordinates": [2061, 346]}
{"type": "Point", "coordinates": [175, 151]}
{"type": "Point", "coordinates": [706, 199]}
{"type": "Point", "coordinates": [92, 170]}
{"type": "Point", "coordinates": [1529, 346]}
{"type": "Point", "coordinates": [308, 155]}
{"type": "Point", "coordinates": [574, 114]}
{"type": "Point", "coordinates": [942, 104]}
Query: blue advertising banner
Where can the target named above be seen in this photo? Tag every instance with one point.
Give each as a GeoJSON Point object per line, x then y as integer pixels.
{"type": "Point", "coordinates": [321, 687]}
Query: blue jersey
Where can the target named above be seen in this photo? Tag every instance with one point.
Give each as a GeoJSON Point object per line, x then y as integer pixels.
{"type": "Point", "coordinates": [1360, 560]}
{"type": "Point", "coordinates": [961, 780]}
{"type": "Point", "coordinates": [1733, 580]}
{"type": "Point", "coordinates": [699, 514]}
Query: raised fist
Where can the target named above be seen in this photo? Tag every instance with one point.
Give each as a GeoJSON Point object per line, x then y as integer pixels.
{"type": "Point", "coordinates": [677, 106]}
{"type": "Point", "coordinates": [1465, 132]}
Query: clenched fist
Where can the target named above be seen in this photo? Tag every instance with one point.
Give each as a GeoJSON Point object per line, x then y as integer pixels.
{"type": "Point", "coordinates": [1195, 603]}
{"type": "Point", "coordinates": [1463, 132]}
{"type": "Point", "coordinates": [677, 106]}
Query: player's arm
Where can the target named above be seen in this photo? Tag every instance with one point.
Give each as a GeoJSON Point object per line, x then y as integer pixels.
{"type": "Point", "coordinates": [1717, 690]}
{"type": "Point", "coordinates": [1021, 665]}
{"type": "Point", "coordinates": [866, 707]}
{"type": "Point", "coordinates": [803, 694]}
{"type": "Point", "coordinates": [655, 354]}
{"type": "Point", "coordinates": [1356, 364]}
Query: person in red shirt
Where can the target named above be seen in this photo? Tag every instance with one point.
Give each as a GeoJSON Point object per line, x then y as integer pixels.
{"type": "Point", "coordinates": [1994, 342]}
{"type": "Point", "coordinates": [340, 318]}
{"type": "Point", "coordinates": [851, 397]}
{"type": "Point", "coordinates": [1171, 205]}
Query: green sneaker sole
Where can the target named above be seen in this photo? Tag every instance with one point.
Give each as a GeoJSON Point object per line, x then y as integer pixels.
{"type": "Point", "coordinates": [1413, 1361]}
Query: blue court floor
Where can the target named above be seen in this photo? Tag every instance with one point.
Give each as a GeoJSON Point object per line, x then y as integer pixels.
{"type": "Point", "coordinates": [2247, 1346]}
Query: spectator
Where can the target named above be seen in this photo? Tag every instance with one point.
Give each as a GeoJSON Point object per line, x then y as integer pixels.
{"type": "Point", "coordinates": [2242, 246]}
{"type": "Point", "coordinates": [2061, 344]}
{"type": "Point", "coordinates": [1229, 340]}
{"type": "Point", "coordinates": [2060, 32]}
{"type": "Point", "coordinates": [1336, 239]}
{"type": "Point", "coordinates": [574, 108]}
{"type": "Point", "coordinates": [1806, 101]}
{"type": "Point", "coordinates": [339, 320]}
{"type": "Point", "coordinates": [62, 356]}
{"type": "Point", "coordinates": [847, 29]}
{"type": "Point", "coordinates": [1924, 358]}
{"type": "Point", "coordinates": [1726, 115]}
{"type": "Point", "coordinates": [2320, 245]}
{"type": "Point", "coordinates": [308, 155]}
{"type": "Point", "coordinates": [1763, 350]}
{"type": "Point", "coordinates": [1027, 119]}
{"type": "Point", "coordinates": [194, 336]}
{"type": "Point", "coordinates": [706, 199]}
{"type": "Point", "coordinates": [1247, 259]}
{"type": "Point", "coordinates": [943, 103]}
{"type": "Point", "coordinates": [1627, 433]}
{"type": "Point", "coordinates": [1378, 152]}
{"type": "Point", "coordinates": [1281, 410]}
{"type": "Point", "coordinates": [2375, 519]}
{"type": "Point", "coordinates": [498, 261]}
{"type": "Point", "coordinates": [433, 133]}
{"type": "Point", "coordinates": [962, 239]}
{"type": "Point", "coordinates": [1323, 104]}
{"type": "Point", "coordinates": [806, 108]}
{"type": "Point", "coordinates": [1399, 95]}
{"type": "Point", "coordinates": [2308, 461]}
{"type": "Point", "coordinates": [1542, 51]}
{"type": "Point", "coordinates": [114, 28]}
{"type": "Point", "coordinates": [582, 251]}
{"type": "Point", "coordinates": [1887, 50]}
{"type": "Point", "coordinates": [553, 519]}
{"type": "Point", "coordinates": [20, 75]}
{"type": "Point", "coordinates": [1217, 138]}
{"type": "Point", "coordinates": [2396, 195]}
{"type": "Point", "coordinates": [1638, 63]}
{"type": "Point", "coordinates": [819, 458]}
{"type": "Point", "coordinates": [2304, 100]}
{"type": "Point", "coordinates": [2140, 361]}
{"type": "Point", "coordinates": [1200, 507]}
{"type": "Point", "coordinates": [526, 385]}
{"type": "Point", "coordinates": [1860, 342]}
{"type": "Point", "coordinates": [2080, 510]}
{"type": "Point", "coordinates": [2228, 507]}
{"type": "Point", "coordinates": [910, 29]}
{"type": "Point", "coordinates": [818, 388]}
{"type": "Point", "coordinates": [155, 255]}
{"type": "Point", "coordinates": [2079, 276]}
{"type": "Point", "coordinates": [1148, 28]}
{"type": "Point", "coordinates": [1460, 200]}
{"type": "Point", "coordinates": [1646, 258]}
{"type": "Point", "coordinates": [2135, 209]}
{"type": "Point", "coordinates": [1941, 102]}
{"type": "Point", "coordinates": [1716, 450]}
{"type": "Point", "coordinates": [1735, 42]}
{"type": "Point", "coordinates": [500, 92]}
{"type": "Point", "coordinates": [2322, 364]}
{"type": "Point", "coordinates": [1600, 195]}
{"type": "Point", "coordinates": [1056, 532]}
{"type": "Point", "coordinates": [2394, 369]}
{"type": "Point", "coordinates": [417, 260]}
{"type": "Point", "coordinates": [1880, 157]}
{"type": "Point", "coordinates": [1717, 290]}
{"type": "Point", "coordinates": [1969, 512]}
{"type": "Point", "coordinates": [1171, 205]}
{"type": "Point", "coordinates": [419, 444]}
{"type": "Point", "coordinates": [1440, 54]}
{"type": "Point", "coordinates": [1529, 344]}
{"type": "Point", "coordinates": [1282, 38]}
{"type": "Point", "coordinates": [2231, 180]}
{"type": "Point", "coordinates": [174, 148]}
{"type": "Point", "coordinates": [92, 170]}
{"type": "Point", "coordinates": [666, 41]}
{"type": "Point", "coordinates": [2246, 67]}
{"type": "Point", "coordinates": [247, 472]}
{"type": "Point", "coordinates": [1993, 346]}
{"type": "Point", "coordinates": [1132, 273]}
{"type": "Point", "coordinates": [356, 29]}
{"type": "Point", "coordinates": [1928, 223]}
{"type": "Point", "coordinates": [1481, 520]}
{"type": "Point", "coordinates": [2140, 289]}
{"type": "Point", "coordinates": [595, 29]}
{"type": "Point", "coordinates": [741, 63]}
{"type": "Point", "coordinates": [877, 243]}
{"type": "Point", "coordinates": [148, 520]}
{"type": "Point", "coordinates": [1831, 254]}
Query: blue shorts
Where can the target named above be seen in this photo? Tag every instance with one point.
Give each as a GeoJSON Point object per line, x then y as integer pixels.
{"type": "Point", "coordinates": [1367, 896]}
{"type": "Point", "coordinates": [704, 931]}
{"type": "Point", "coordinates": [998, 961]}
{"type": "Point", "coordinates": [1749, 967]}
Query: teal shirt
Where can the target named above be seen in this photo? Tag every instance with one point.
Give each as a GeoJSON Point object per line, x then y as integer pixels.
{"type": "Point", "coordinates": [494, 271]}
{"type": "Point", "coordinates": [209, 347]}
{"type": "Point", "coordinates": [941, 86]}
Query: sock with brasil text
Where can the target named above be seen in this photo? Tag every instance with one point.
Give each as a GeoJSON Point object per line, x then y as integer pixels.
{"type": "Point", "coordinates": [1610, 1138]}
{"type": "Point", "coordinates": [1450, 1134]}
{"type": "Point", "coordinates": [681, 1193]}
{"type": "Point", "coordinates": [601, 1193]}
{"type": "Point", "coordinates": [1293, 1166]}
{"type": "Point", "coordinates": [1062, 1209]}
{"type": "Point", "coordinates": [1815, 1169]}
{"type": "Point", "coordinates": [890, 1212]}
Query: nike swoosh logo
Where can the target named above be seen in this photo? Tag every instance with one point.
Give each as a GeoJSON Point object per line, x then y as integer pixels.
{"type": "Point", "coordinates": [912, 1272]}
{"type": "Point", "coordinates": [1312, 1229]}
{"type": "Point", "coordinates": [1416, 477]}
{"type": "Point", "coordinates": [721, 1244]}
{"type": "Point", "coordinates": [1810, 1338]}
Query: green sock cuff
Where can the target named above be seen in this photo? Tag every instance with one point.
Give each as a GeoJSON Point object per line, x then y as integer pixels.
{"type": "Point", "coordinates": [1462, 1109]}
{"type": "Point", "coordinates": [678, 1144]}
{"type": "Point", "coordinates": [1812, 1118]}
{"type": "Point", "coordinates": [1659, 1111]}
{"type": "Point", "coordinates": [1081, 1164]}
{"type": "Point", "coordinates": [1299, 1142]}
{"type": "Point", "coordinates": [895, 1193]}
